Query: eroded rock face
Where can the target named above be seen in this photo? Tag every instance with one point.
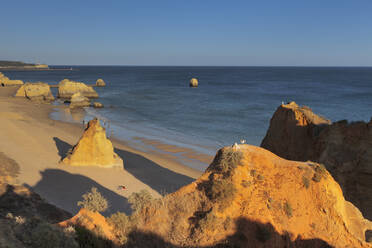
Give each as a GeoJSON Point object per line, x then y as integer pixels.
{"type": "Point", "coordinates": [5, 81]}
{"type": "Point", "coordinates": [344, 148]}
{"type": "Point", "coordinates": [93, 149]}
{"type": "Point", "coordinates": [100, 82]}
{"type": "Point", "coordinates": [249, 197]}
{"type": "Point", "coordinates": [35, 91]}
{"type": "Point", "coordinates": [67, 88]}
{"type": "Point", "coordinates": [79, 101]}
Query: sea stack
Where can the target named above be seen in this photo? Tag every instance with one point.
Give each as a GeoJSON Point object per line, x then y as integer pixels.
{"type": "Point", "coordinates": [67, 88]}
{"type": "Point", "coordinates": [93, 149]}
{"type": "Point", "coordinates": [193, 82]}
{"type": "Point", "coordinates": [35, 91]}
{"type": "Point", "coordinates": [100, 82]}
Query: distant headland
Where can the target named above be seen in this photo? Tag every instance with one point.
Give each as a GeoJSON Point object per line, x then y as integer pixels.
{"type": "Point", "coordinates": [18, 65]}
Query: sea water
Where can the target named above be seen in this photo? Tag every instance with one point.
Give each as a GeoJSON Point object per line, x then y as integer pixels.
{"type": "Point", "coordinates": [230, 104]}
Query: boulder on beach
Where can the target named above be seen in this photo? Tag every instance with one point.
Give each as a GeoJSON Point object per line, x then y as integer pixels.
{"type": "Point", "coordinates": [100, 82]}
{"type": "Point", "coordinates": [79, 101]}
{"type": "Point", "coordinates": [5, 81]}
{"type": "Point", "coordinates": [194, 82]}
{"type": "Point", "coordinates": [38, 91]}
{"type": "Point", "coordinates": [66, 88]}
{"type": "Point", "coordinates": [93, 149]}
{"type": "Point", "coordinates": [97, 105]}
{"type": "Point", "coordinates": [296, 133]}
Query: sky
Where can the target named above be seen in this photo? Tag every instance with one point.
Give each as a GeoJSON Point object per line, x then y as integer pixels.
{"type": "Point", "coordinates": [188, 32]}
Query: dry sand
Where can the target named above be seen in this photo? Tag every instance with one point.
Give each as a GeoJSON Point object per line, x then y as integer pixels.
{"type": "Point", "coordinates": [37, 143]}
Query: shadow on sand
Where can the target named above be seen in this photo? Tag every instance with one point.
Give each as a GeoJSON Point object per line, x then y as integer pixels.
{"type": "Point", "coordinates": [63, 147]}
{"type": "Point", "coordinates": [64, 190]}
{"type": "Point", "coordinates": [157, 177]}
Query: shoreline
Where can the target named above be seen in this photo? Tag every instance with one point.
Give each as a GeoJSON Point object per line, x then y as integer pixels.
{"type": "Point", "coordinates": [37, 143]}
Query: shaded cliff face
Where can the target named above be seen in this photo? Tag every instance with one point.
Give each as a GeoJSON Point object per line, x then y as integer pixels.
{"type": "Point", "coordinates": [344, 148]}
{"type": "Point", "coordinates": [249, 197]}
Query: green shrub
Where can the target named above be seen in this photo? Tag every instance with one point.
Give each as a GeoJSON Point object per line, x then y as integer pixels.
{"type": "Point", "coordinates": [139, 200]}
{"type": "Point", "coordinates": [320, 172]}
{"type": "Point", "coordinates": [222, 192]}
{"type": "Point", "coordinates": [288, 209]}
{"type": "Point", "coordinates": [227, 159]}
{"type": "Point", "coordinates": [208, 222]}
{"type": "Point", "coordinates": [121, 224]}
{"type": "Point", "coordinates": [306, 182]}
{"type": "Point", "coordinates": [94, 201]}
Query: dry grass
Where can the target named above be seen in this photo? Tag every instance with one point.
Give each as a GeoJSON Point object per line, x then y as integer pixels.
{"type": "Point", "coordinates": [94, 201]}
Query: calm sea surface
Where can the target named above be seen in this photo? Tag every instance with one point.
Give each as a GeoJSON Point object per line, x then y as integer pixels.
{"type": "Point", "coordinates": [230, 104]}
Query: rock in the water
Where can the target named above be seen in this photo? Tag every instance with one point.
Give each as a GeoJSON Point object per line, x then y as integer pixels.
{"type": "Point", "coordinates": [193, 82]}
{"type": "Point", "coordinates": [67, 88]}
{"type": "Point", "coordinates": [35, 91]}
{"type": "Point", "coordinates": [97, 105]}
{"type": "Point", "coordinates": [5, 81]}
{"type": "Point", "coordinates": [79, 101]}
{"type": "Point", "coordinates": [93, 149]}
{"type": "Point", "coordinates": [344, 148]}
{"type": "Point", "coordinates": [100, 82]}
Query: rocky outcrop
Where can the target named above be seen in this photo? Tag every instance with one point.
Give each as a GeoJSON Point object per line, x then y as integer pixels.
{"type": "Point", "coordinates": [5, 81]}
{"type": "Point", "coordinates": [66, 88]}
{"type": "Point", "coordinates": [344, 148]}
{"type": "Point", "coordinates": [100, 82]}
{"type": "Point", "coordinates": [35, 91]}
{"type": "Point", "coordinates": [293, 130]}
{"type": "Point", "coordinates": [249, 197]}
{"type": "Point", "coordinates": [90, 221]}
{"type": "Point", "coordinates": [194, 82]}
{"type": "Point", "coordinates": [93, 149]}
{"type": "Point", "coordinates": [97, 105]}
{"type": "Point", "coordinates": [79, 101]}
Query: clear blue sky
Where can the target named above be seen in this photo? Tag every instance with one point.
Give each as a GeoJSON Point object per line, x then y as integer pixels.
{"type": "Point", "coordinates": [188, 32]}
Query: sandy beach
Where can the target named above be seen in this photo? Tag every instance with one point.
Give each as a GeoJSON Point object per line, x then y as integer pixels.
{"type": "Point", "coordinates": [37, 143]}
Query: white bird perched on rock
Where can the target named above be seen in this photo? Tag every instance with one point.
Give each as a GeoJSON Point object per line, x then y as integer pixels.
{"type": "Point", "coordinates": [235, 146]}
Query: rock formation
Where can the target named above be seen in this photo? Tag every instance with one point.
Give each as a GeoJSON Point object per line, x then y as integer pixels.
{"type": "Point", "coordinates": [5, 81]}
{"type": "Point", "coordinates": [194, 82]}
{"type": "Point", "coordinates": [90, 221]}
{"type": "Point", "coordinates": [67, 88]}
{"type": "Point", "coordinates": [249, 197]}
{"type": "Point", "coordinates": [344, 148]}
{"type": "Point", "coordinates": [79, 101]}
{"type": "Point", "coordinates": [93, 149]}
{"type": "Point", "coordinates": [35, 91]}
{"type": "Point", "coordinates": [100, 82]}
{"type": "Point", "coordinates": [97, 105]}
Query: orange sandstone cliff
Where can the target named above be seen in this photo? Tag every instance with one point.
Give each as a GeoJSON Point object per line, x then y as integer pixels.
{"type": "Point", "coordinates": [344, 148]}
{"type": "Point", "coordinates": [249, 197]}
